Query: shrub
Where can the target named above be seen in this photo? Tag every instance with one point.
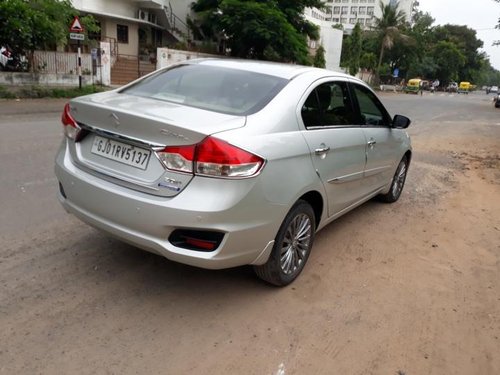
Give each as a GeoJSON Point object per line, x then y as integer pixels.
{"type": "Point", "coordinates": [6, 94]}
{"type": "Point", "coordinates": [45, 92]}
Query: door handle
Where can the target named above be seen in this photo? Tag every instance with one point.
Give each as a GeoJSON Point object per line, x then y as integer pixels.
{"type": "Point", "coordinates": [372, 142]}
{"type": "Point", "coordinates": [323, 150]}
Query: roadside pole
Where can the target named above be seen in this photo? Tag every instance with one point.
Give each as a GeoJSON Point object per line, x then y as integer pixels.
{"type": "Point", "coordinates": [76, 33]}
{"type": "Point", "coordinates": [79, 66]}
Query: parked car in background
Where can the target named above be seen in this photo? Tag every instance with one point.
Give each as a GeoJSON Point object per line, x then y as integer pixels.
{"type": "Point", "coordinates": [493, 89]}
{"type": "Point", "coordinates": [222, 163]}
{"type": "Point", "coordinates": [5, 57]}
{"type": "Point", "coordinates": [452, 87]}
{"type": "Point", "coordinates": [10, 61]}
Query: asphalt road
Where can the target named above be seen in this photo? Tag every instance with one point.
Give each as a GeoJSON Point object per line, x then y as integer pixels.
{"type": "Point", "coordinates": [410, 287]}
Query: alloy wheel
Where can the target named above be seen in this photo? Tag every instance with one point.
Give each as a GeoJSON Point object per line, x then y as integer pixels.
{"type": "Point", "coordinates": [296, 244]}
{"type": "Point", "coordinates": [399, 179]}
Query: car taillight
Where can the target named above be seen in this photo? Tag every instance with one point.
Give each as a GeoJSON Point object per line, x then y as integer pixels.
{"type": "Point", "coordinates": [178, 158]}
{"type": "Point", "coordinates": [71, 128]}
{"type": "Point", "coordinates": [211, 157]}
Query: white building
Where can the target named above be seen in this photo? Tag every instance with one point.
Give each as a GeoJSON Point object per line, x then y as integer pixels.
{"type": "Point", "coordinates": [330, 38]}
{"type": "Point", "coordinates": [349, 12]}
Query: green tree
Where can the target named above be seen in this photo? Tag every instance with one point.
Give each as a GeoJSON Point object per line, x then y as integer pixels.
{"type": "Point", "coordinates": [423, 67]}
{"type": "Point", "coordinates": [414, 57]}
{"type": "Point", "coordinates": [368, 61]}
{"type": "Point", "coordinates": [389, 27]}
{"type": "Point", "coordinates": [274, 29]}
{"type": "Point", "coordinates": [449, 60]}
{"type": "Point", "coordinates": [418, 49]}
{"type": "Point", "coordinates": [487, 76]}
{"type": "Point", "coordinates": [353, 48]}
{"type": "Point", "coordinates": [467, 43]}
{"type": "Point", "coordinates": [319, 58]}
{"type": "Point", "coordinates": [38, 24]}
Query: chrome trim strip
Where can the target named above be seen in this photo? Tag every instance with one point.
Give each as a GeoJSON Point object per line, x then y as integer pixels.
{"type": "Point", "coordinates": [346, 178]}
{"type": "Point", "coordinates": [374, 171]}
{"type": "Point", "coordinates": [133, 141]}
{"type": "Point", "coordinates": [333, 127]}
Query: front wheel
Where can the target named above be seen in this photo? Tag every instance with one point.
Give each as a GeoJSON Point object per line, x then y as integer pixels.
{"type": "Point", "coordinates": [291, 248]}
{"type": "Point", "coordinates": [398, 182]}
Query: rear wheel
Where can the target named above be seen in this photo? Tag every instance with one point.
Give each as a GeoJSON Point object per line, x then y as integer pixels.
{"type": "Point", "coordinates": [398, 182]}
{"type": "Point", "coordinates": [291, 248]}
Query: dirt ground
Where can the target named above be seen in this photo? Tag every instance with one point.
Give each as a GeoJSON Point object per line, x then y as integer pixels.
{"type": "Point", "coordinates": [409, 288]}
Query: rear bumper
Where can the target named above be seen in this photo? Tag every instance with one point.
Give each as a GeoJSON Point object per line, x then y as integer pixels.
{"type": "Point", "coordinates": [236, 208]}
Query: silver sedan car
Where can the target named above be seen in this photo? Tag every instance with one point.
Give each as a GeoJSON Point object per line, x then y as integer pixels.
{"type": "Point", "coordinates": [222, 163]}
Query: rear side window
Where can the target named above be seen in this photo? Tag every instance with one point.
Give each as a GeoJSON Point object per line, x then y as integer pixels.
{"type": "Point", "coordinates": [372, 111]}
{"type": "Point", "coordinates": [328, 104]}
{"type": "Point", "coordinates": [216, 89]}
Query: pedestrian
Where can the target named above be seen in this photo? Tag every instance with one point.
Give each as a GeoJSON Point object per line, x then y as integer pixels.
{"type": "Point", "coordinates": [421, 87]}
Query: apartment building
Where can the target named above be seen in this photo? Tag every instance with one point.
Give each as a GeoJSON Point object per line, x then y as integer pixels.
{"type": "Point", "coordinates": [349, 12]}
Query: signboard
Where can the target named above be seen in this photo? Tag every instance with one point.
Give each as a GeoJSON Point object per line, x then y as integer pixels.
{"type": "Point", "coordinates": [76, 36]}
{"type": "Point", "coordinates": [76, 26]}
{"type": "Point", "coordinates": [76, 33]}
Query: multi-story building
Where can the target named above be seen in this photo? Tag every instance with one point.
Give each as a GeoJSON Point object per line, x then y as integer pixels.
{"type": "Point", "coordinates": [349, 12]}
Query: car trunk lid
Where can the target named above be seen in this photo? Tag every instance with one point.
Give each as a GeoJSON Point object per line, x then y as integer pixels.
{"type": "Point", "coordinates": [124, 132]}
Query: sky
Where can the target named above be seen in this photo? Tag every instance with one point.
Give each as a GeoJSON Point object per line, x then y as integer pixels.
{"type": "Point", "coordinates": [480, 15]}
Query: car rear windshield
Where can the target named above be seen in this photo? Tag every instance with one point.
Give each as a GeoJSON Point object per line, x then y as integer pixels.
{"type": "Point", "coordinates": [224, 90]}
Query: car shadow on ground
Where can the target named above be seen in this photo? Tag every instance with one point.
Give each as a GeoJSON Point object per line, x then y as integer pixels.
{"type": "Point", "coordinates": [148, 273]}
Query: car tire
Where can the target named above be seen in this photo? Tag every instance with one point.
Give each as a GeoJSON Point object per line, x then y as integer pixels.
{"type": "Point", "coordinates": [398, 182]}
{"type": "Point", "coordinates": [291, 248]}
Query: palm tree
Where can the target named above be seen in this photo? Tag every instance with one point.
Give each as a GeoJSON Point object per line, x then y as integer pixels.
{"type": "Point", "coordinates": [389, 26]}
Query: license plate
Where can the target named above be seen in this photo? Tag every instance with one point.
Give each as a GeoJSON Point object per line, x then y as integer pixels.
{"type": "Point", "coordinates": [121, 152]}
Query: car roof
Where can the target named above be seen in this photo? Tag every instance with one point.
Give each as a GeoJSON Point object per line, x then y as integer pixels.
{"type": "Point", "coordinates": [282, 70]}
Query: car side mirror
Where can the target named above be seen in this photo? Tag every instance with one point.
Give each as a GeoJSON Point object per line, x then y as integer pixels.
{"type": "Point", "coordinates": [400, 122]}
